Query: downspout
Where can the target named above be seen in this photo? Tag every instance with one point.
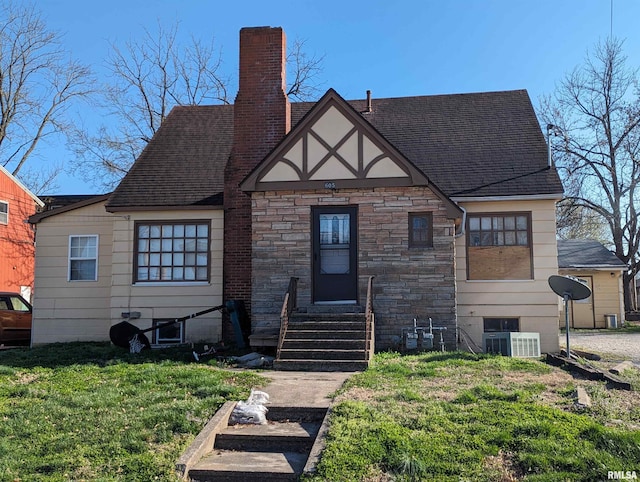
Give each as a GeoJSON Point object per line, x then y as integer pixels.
{"type": "Point", "coordinates": [456, 236]}
{"type": "Point", "coordinates": [463, 223]}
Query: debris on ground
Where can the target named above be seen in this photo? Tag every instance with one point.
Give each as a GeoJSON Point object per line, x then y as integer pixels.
{"type": "Point", "coordinates": [253, 360]}
{"type": "Point", "coordinates": [253, 411]}
{"type": "Point", "coordinates": [582, 399]}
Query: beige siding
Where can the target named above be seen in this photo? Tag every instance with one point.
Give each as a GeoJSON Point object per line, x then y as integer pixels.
{"type": "Point", "coordinates": [167, 300]}
{"type": "Point", "coordinates": [532, 301]}
{"type": "Point", "coordinates": [607, 294]}
{"type": "Point", "coordinates": [84, 311]}
{"type": "Point", "coordinates": [71, 310]}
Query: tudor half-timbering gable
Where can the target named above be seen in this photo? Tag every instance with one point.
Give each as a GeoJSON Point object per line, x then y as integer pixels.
{"type": "Point", "coordinates": [334, 148]}
{"type": "Point", "coordinates": [335, 203]}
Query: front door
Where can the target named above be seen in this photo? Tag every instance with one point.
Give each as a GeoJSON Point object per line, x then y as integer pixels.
{"type": "Point", "coordinates": [335, 254]}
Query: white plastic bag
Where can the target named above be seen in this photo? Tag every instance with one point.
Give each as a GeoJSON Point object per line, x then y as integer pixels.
{"type": "Point", "coordinates": [248, 413]}
{"type": "Point", "coordinates": [258, 398]}
{"type": "Point", "coordinates": [252, 411]}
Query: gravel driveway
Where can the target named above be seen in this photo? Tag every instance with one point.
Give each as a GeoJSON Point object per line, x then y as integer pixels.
{"type": "Point", "coordinates": [619, 345]}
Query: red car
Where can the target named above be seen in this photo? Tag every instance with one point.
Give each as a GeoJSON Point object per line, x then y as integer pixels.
{"type": "Point", "coordinates": [15, 319]}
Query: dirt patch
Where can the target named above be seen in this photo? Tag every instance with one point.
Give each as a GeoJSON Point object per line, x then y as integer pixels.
{"type": "Point", "coordinates": [504, 468]}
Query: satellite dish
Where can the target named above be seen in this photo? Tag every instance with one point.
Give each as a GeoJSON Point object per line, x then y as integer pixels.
{"type": "Point", "coordinates": [569, 286]}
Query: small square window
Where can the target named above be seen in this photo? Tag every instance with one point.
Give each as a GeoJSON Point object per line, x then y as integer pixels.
{"type": "Point", "coordinates": [166, 333]}
{"type": "Point", "coordinates": [420, 230]}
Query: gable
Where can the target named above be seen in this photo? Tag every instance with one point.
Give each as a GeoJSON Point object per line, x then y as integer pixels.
{"type": "Point", "coordinates": [333, 147]}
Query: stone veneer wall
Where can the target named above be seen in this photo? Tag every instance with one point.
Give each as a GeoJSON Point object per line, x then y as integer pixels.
{"type": "Point", "coordinates": [408, 282]}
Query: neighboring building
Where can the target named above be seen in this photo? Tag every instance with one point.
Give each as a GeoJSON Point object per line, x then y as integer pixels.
{"type": "Point", "coordinates": [602, 271]}
{"type": "Point", "coordinates": [17, 249]}
{"type": "Point", "coordinates": [447, 200]}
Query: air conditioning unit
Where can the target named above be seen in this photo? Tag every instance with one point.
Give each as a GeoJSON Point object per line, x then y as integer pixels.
{"type": "Point", "coordinates": [515, 344]}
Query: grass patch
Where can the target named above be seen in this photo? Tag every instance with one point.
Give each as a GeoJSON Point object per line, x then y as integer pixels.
{"type": "Point", "coordinates": [495, 420]}
{"type": "Point", "coordinates": [95, 412]}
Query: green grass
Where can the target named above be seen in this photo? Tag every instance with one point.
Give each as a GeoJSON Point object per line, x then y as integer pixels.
{"type": "Point", "coordinates": [462, 417]}
{"type": "Point", "coordinates": [96, 412]}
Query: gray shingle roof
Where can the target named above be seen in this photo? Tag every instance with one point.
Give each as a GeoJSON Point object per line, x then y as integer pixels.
{"type": "Point", "coordinates": [183, 165]}
{"type": "Point", "coordinates": [469, 145]}
{"type": "Point", "coordinates": [586, 253]}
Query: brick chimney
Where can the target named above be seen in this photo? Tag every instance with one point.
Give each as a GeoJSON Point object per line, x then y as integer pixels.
{"type": "Point", "coordinates": [262, 117]}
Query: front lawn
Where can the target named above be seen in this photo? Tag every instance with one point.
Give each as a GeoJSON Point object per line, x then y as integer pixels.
{"type": "Point", "coordinates": [463, 417]}
{"type": "Point", "coordinates": [96, 412]}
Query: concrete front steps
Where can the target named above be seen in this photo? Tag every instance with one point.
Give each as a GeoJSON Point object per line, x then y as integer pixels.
{"type": "Point", "coordinates": [324, 342]}
{"type": "Point", "coordinates": [281, 450]}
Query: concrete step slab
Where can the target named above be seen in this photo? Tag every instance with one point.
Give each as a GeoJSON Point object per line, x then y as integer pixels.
{"type": "Point", "coordinates": [231, 465]}
{"type": "Point", "coordinates": [272, 436]}
{"type": "Point", "coordinates": [328, 353]}
{"type": "Point", "coordinates": [321, 365]}
{"type": "Point", "coordinates": [296, 332]}
{"type": "Point", "coordinates": [331, 344]}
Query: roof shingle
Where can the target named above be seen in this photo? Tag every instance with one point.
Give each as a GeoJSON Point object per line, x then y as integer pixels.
{"type": "Point", "coordinates": [469, 145]}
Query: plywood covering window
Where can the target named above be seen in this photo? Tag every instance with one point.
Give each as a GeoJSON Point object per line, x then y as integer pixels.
{"type": "Point", "coordinates": [4, 212]}
{"type": "Point", "coordinates": [170, 251]}
{"type": "Point", "coordinates": [420, 230]}
{"type": "Point", "coordinates": [499, 246]}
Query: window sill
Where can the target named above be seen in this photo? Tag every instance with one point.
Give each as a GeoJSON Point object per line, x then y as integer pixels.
{"type": "Point", "coordinates": [171, 283]}
{"type": "Point", "coordinates": [500, 280]}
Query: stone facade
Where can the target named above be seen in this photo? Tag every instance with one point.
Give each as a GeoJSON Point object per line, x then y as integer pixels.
{"type": "Point", "coordinates": [409, 282]}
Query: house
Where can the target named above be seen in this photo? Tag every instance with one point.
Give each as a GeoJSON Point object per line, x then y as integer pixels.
{"type": "Point", "coordinates": [17, 249]}
{"type": "Point", "coordinates": [428, 207]}
{"type": "Point", "coordinates": [601, 270]}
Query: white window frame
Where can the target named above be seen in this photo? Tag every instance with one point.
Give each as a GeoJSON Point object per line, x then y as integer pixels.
{"type": "Point", "coordinates": [4, 216]}
{"type": "Point", "coordinates": [158, 340]}
{"type": "Point", "coordinates": [87, 258]}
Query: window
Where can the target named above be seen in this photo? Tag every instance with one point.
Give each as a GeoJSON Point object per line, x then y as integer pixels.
{"type": "Point", "coordinates": [4, 212]}
{"type": "Point", "coordinates": [83, 258]}
{"type": "Point", "coordinates": [499, 246]}
{"type": "Point", "coordinates": [502, 230]}
{"type": "Point", "coordinates": [167, 251]}
{"type": "Point", "coordinates": [420, 230]}
{"type": "Point", "coordinates": [167, 333]}
{"type": "Point", "coordinates": [493, 325]}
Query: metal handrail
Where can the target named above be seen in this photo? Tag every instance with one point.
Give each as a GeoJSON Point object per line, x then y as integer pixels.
{"type": "Point", "coordinates": [369, 321]}
{"type": "Point", "coordinates": [288, 306]}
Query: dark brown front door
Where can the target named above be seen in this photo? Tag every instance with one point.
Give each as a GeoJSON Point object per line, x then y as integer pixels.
{"type": "Point", "coordinates": [335, 254]}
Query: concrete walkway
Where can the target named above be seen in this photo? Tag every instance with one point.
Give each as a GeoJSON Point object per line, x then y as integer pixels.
{"type": "Point", "coordinates": [303, 389]}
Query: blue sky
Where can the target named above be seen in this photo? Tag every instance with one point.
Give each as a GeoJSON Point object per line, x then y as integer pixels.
{"type": "Point", "coordinates": [394, 49]}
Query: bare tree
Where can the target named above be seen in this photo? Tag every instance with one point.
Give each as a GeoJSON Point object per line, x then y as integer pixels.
{"type": "Point", "coordinates": [595, 116]}
{"type": "Point", "coordinates": [305, 70]}
{"type": "Point", "coordinates": [38, 84]}
{"type": "Point", "coordinates": [151, 76]}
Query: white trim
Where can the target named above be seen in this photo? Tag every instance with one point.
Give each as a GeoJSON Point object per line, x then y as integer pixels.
{"type": "Point", "coordinates": [2, 201]}
{"type": "Point", "coordinates": [171, 283]}
{"type": "Point", "coordinates": [592, 268]}
{"type": "Point", "coordinates": [534, 197]}
{"type": "Point", "coordinates": [95, 274]}
{"type": "Point", "coordinates": [500, 280]}
{"type": "Point", "coordinates": [23, 187]}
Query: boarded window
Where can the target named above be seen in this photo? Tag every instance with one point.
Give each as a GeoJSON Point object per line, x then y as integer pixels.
{"type": "Point", "coordinates": [499, 246]}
